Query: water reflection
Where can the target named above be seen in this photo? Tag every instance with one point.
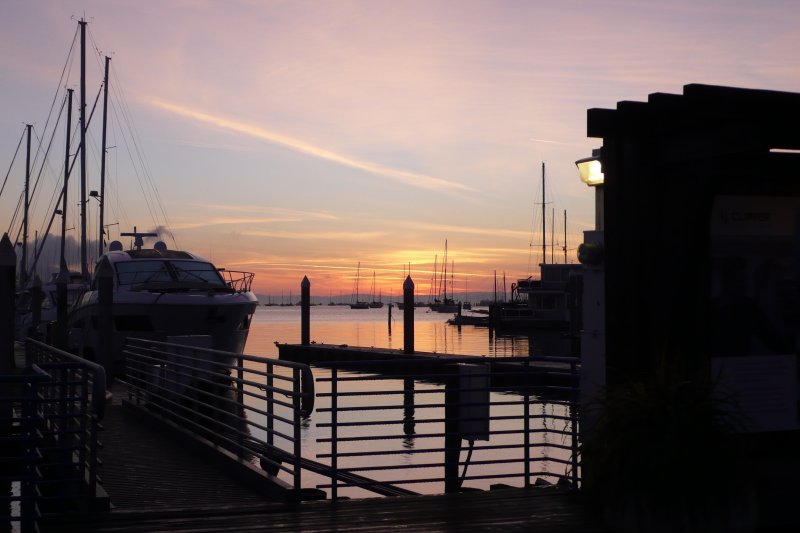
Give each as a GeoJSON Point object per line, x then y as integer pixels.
{"type": "Point", "coordinates": [370, 327]}
{"type": "Point", "coordinates": [339, 325]}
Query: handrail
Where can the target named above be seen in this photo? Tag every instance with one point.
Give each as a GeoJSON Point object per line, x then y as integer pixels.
{"type": "Point", "coordinates": [251, 406]}
{"type": "Point", "coordinates": [21, 437]}
{"type": "Point", "coordinates": [37, 352]}
{"type": "Point", "coordinates": [61, 411]}
{"type": "Point", "coordinates": [518, 416]}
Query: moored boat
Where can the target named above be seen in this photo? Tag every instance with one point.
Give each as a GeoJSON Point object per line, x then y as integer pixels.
{"type": "Point", "coordinates": [166, 295]}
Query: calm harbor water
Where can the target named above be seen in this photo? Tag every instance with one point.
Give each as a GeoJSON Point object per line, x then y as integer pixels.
{"type": "Point", "coordinates": [370, 327]}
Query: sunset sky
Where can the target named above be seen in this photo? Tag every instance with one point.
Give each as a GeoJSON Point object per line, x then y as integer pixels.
{"type": "Point", "coordinates": [295, 138]}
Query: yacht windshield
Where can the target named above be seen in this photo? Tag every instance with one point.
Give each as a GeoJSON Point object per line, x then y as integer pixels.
{"type": "Point", "coordinates": [197, 271]}
{"type": "Point", "coordinates": [134, 272]}
{"type": "Point", "coordinates": [131, 272]}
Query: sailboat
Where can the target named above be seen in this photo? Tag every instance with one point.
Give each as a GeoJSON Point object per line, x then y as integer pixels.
{"type": "Point", "coordinates": [443, 303]}
{"type": "Point", "coordinates": [158, 293]}
{"type": "Point", "coordinates": [374, 304]}
{"type": "Point", "coordinates": [356, 303]}
{"type": "Point", "coordinates": [545, 302]}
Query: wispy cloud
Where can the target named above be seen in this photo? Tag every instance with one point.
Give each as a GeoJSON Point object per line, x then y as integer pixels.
{"type": "Point", "coordinates": [446, 229]}
{"type": "Point", "coordinates": [287, 214]}
{"type": "Point", "coordinates": [410, 178]}
{"type": "Point", "coordinates": [305, 235]}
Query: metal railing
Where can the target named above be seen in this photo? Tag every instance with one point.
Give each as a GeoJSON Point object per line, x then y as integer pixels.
{"type": "Point", "coordinates": [70, 405]}
{"type": "Point", "coordinates": [251, 406]}
{"type": "Point", "coordinates": [238, 280]}
{"type": "Point", "coordinates": [51, 415]}
{"type": "Point", "coordinates": [405, 422]}
{"type": "Point", "coordinates": [21, 440]}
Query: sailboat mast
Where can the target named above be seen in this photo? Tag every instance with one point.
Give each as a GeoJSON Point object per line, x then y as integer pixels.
{"type": "Point", "coordinates": [84, 265]}
{"type": "Point", "coordinates": [544, 216]}
{"type": "Point", "coordinates": [358, 275]}
{"type": "Point", "coordinates": [443, 280]}
{"type": "Point", "coordinates": [66, 182]}
{"type": "Point", "coordinates": [101, 232]}
{"type": "Point", "coordinates": [23, 273]}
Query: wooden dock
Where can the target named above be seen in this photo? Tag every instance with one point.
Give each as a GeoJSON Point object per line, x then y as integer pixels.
{"type": "Point", "coordinates": [157, 483]}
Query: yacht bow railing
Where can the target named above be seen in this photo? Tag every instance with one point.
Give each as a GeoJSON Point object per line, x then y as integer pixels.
{"type": "Point", "coordinates": [238, 280]}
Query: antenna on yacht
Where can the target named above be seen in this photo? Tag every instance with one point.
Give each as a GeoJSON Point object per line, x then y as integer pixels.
{"type": "Point", "coordinates": [138, 241]}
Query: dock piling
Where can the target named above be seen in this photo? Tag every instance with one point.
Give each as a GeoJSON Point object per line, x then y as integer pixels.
{"type": "Point", "coordinates": [8, 264]}
{"type": "Point", "coordinates": [408, 316]}
{"type": "Point", "coordinates": [305, 311]}
{"type": "Point", "coordinates": [61, 307]}
{"type": "Point", "coordinates": [36, 307]}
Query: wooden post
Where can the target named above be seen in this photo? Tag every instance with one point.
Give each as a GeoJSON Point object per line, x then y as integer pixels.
{"type": "Point", "coordinates": [390, 319]}
{"type": "Point", "coordinates": [60, 339]}
{"type": "Point", "coordinates": [408, 316]}
{"type": "Point", "coordinates": [305, 311]}
{"type": "Point", "coordinates": [105, 304]}
{"type": "Point", "coordinates": [36, 307]}
{"type": "Point", "coordinates": [8, 264]}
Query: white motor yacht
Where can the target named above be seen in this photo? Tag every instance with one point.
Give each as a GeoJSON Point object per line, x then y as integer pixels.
{"type": "Point", "coordinates": [166, 295]}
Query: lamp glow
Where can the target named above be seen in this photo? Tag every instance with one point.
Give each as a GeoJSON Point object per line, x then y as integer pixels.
{"type": "Point", "coordinates": [590, 171]}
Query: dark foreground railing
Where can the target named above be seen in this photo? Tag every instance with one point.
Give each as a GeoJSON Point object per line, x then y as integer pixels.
{"type": "Point", "coordinates": [49, 419]}
{"type": "Point", "coordinates": [253, 407]}
{"type": "Point", "coordinates": [454, 422]}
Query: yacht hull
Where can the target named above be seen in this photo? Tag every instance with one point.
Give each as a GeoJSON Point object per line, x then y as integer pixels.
{"type": "Point", "coordinates": [223, 319]}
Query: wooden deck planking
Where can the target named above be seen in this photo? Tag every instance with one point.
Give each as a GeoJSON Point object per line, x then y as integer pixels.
{"type": "Point", "coordinates": [144, 470]}
{"type": "Point", "coordinates": [502, 510]}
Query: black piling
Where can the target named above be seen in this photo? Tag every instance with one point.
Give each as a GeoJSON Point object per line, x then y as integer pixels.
{"type": "Point", "coordinates": [390, 319]}
{"type": "Point", "coordinates": [36, 307]}
{"type": "Point", "coordinates": [305, 311]}
{"type": "Point", "coordinates": [60, 334]}
{"type": "Point", "coordinates": [8, 265]}
{"type": "Point", "coordinates": [408, 316]}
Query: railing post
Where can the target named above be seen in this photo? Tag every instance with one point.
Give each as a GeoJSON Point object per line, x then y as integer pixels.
{"type": "Point", "coordinates": [8, 264]}
{"type": "Point", "coordinates": [28, 485]}
{"type": "Point", "coordinates": [526, 407]}
{"type": "Point", "coordinates": [573, 415]}
{"type": "Point", "coordinates": [334, 430]}
{"type": "Point", "coordinates": [305, 311]}
{"type": "Point", "coordinates": [240, 397]}
{"type": "Point", "coordinates": [452, 438]}
{"type": "Point", "coordinates": [408, 316]}
{"type": "Point", "coordinates": [270, 408]}
{"type": "Point", "coordinates": [105, 297]}
{"type": "Point", "coordinates": [298, 452]}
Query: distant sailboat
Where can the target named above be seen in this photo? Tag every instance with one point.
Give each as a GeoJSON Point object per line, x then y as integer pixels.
{"type": "Point", "coordinates": [356, 303]}
{"type": "Point", "coordinates": [374, 304]}
{"type": "Point", "coordinates": [444, 304]}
